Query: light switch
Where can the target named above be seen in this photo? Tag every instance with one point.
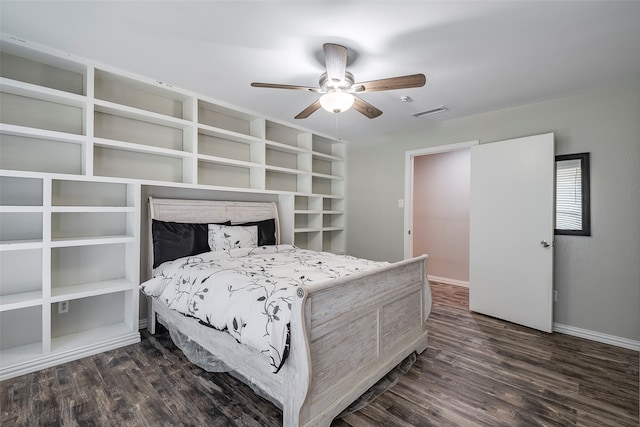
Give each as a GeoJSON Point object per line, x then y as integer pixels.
{"type": "Point", "coordinates": [401, 203]}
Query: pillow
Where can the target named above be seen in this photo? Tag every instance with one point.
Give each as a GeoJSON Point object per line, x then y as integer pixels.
{"type": "Point", "coordinates": [266, 231]}
{"type": "Point", "coordinates": [173, 240]}
{"type": "Point", "coordinates": [227, 237]}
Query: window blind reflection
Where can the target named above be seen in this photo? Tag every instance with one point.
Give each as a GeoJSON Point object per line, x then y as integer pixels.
{"type": "Point", "coordinates": [569, 195]}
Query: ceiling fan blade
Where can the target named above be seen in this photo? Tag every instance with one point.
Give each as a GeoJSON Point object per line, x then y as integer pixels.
{"type": "Point", "coordinates": [335, 58]}
{"type": "Point", "coordinates": [402, 82]}
{"type": "Point", "coordinates": [279, 86]}
{"type": "Point", "coordinates": [309, 110]}
{"type": "Point", "coordinates": [365, 108]}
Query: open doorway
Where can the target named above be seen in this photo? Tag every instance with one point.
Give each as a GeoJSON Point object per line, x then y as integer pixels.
{"type": "Point", "coordinates": [437, 217]}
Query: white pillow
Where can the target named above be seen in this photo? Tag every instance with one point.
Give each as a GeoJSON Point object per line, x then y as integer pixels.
{"type": "Point", "coordinates": [227, 237]}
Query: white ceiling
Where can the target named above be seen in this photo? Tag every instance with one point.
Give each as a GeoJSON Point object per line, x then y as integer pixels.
{"type": "Point", "coordinates": [478, 56]}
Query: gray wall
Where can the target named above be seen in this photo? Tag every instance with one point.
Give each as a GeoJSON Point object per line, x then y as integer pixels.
{"type": "Point", "coordinates": [597, 277]}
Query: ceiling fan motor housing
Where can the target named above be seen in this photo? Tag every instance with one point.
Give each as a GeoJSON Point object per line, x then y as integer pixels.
{"type": "Point", "coordinates": [327, 85]}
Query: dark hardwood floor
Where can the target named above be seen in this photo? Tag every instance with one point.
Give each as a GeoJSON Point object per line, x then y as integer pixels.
{"type": "Point", "coordinates": [477, 371]}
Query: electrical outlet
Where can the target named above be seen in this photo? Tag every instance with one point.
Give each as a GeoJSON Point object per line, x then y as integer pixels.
{"type": "Point", "coordinates": [63, 307]}
{"type": "Point", "coordinates": [555, 296]}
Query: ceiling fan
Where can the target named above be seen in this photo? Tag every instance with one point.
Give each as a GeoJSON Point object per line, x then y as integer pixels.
{"type": "Point", "coordinates": [339, 90]}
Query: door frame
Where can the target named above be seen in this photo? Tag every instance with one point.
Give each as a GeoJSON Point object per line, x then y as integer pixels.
{"type": "Point", "coordinates": [409, 161]}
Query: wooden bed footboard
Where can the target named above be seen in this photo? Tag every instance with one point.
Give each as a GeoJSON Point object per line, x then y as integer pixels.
{"type": "Point", "coordinates": [348, 333]}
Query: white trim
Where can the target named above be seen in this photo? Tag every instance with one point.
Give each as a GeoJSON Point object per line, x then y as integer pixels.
{"type": "Point", "coordinates": [447, 281]}
{"type": "Point", "coordinates": [408, 185]}
{"type": "Point", "coordinates": [56, 358]}
{"type": "Point", "coordinates": [597, 336]}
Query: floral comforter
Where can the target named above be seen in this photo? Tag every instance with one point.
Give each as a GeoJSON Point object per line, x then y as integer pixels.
{"type": "Point", "coordinates": [248, 291]}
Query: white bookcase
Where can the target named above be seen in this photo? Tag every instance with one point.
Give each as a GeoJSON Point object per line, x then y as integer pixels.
{"type": "Point", "coordinates": [69, 268]}
{"type": "Point", "coordinates": [78, 141]}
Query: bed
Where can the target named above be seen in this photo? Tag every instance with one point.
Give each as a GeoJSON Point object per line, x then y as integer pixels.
{"type": "Point", "coordinates": [342, 336]}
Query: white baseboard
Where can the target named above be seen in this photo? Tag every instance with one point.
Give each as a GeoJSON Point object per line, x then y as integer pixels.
{"type": "Point", "coordinates": [597, 336]}
{"type": "Point", "coordinates": [58, 357]}
{"type": "Point", "coordinates": [142, 323]}
{"type": "Point", "coordinates": [447, 281]}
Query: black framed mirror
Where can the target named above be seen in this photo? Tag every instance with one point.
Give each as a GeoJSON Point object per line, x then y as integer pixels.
{"type": "Point", "coordinates": [573, 189]}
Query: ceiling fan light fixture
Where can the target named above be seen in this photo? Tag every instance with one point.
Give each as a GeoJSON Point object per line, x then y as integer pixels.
{"type": "Point", "coordinates": [337, 101]}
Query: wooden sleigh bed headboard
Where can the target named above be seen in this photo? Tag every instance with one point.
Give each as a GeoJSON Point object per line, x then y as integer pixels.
{"type": "Point", "coordinates": [208, 211]}
{"type": "Point", "coordinates": [345, 333]}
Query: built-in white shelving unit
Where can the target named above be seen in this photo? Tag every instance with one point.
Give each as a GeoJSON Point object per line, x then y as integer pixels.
{"type": "Point", "coordinates": [69, 268]}
{"type": "Point", "coordinates": [78, 140]}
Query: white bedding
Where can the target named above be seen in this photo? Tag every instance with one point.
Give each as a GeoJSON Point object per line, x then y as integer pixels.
{"type": "Point", "coordinates": [248, 291]}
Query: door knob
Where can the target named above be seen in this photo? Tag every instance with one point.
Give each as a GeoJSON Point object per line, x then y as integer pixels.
{"type": "Point", "coordinates": [544, 244]}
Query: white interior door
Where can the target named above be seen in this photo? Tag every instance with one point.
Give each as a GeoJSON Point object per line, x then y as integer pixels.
{"type": "Point", "coordinates": [511, 230]}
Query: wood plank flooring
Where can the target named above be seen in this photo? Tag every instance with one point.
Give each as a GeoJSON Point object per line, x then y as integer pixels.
{"type": "Point", "coordinates": [477, 371]}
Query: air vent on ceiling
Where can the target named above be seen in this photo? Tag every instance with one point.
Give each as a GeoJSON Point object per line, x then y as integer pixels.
{"type": "Point", "coordinates": [432, 111]}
